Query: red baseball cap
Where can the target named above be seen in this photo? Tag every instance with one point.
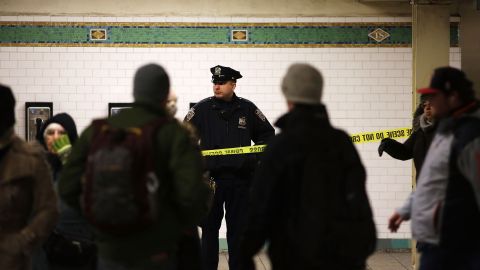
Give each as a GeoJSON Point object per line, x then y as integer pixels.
{"type": "Point", "coordinates": [446, 80]}
{"type": "Point", "coordinates": [427, 91]}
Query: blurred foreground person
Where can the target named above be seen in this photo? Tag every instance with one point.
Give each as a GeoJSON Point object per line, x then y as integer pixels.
{"type": "Point", "coordinates": [28, 204]}
{"type": "Point", "coordinates": [308, 198]}
{"type": "Point", "coordinates": [446, 204]}
{"type": "Point", "coordinates": [137, 178]}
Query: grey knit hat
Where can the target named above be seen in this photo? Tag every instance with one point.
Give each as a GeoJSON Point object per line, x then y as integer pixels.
{"type": "Point", "coordinates": [151, 84]}
{"type": "Point", "coordinates": [303, 84]}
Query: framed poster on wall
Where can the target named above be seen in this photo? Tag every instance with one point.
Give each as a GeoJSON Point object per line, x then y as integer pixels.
{"type": "Point", "coordinates": [36, 113]}
{"type": "Point", "coordinates": [114, 108]}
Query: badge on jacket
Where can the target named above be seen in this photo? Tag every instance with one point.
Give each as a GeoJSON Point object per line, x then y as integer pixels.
{"type": "Point", "coordinates": [242, 122]}
{"type": "Point", "coordinates": [190, 115]}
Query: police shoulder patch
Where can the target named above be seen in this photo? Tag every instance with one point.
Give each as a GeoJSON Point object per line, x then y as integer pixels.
{"type": "Point", "coordinates": [260, 115]}
{"type": "Point", "coordinates": [190, 114]}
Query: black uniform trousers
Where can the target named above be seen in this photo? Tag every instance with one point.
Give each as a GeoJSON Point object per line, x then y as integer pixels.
{"type": "Point", "coordinates": [233, 193]}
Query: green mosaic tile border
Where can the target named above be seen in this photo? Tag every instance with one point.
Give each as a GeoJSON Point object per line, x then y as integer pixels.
{"type": "Point", "coordinates": [208, 34]}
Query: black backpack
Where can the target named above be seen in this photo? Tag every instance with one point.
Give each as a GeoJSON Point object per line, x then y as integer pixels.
{"type": "Point", "coordinates": [330, 222]}
{"type": "Point", "coordinates": [120, 185]}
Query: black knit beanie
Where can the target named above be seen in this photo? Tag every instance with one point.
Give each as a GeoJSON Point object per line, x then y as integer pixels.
{"type": "Point", "coordinates": [151, 84]}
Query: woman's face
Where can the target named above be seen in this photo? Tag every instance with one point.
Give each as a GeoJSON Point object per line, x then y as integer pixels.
{"type": "Point", "coordinates": [428, 110]}
{"type": "Point", "coordinates": [52, 133]}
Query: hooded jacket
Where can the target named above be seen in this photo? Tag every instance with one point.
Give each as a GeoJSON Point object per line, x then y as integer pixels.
{"type": "Point", "coordinates": [66, 121]}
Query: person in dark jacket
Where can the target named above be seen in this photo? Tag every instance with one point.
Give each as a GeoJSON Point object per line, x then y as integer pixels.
{"type": "Point", "coordinates": [288, 207]}
{"type": "Point", "coordinates": [226, 121]}
{"type": "Point", "coordinates": [71, 245]}
{"type": "Point", "coordinates": [416, 147]}
{"type": "Point", "coordinates": [417, 144]}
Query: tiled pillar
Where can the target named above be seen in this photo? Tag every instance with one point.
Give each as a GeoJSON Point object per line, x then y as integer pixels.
{"type": "Point", "coordinates": [430, 41]}
{"type": "Point", "coordinates": [430, 46]}
{"type": "Point", "coordinates": [470, 41]}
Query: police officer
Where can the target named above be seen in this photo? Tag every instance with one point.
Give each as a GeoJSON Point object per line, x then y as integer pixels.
{"type": "Point", "coordinates": [225, 121]}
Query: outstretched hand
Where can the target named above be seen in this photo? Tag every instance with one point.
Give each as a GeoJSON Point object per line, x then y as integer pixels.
{"type": "Point", "coordinates": [383, 145]}
{"type": "Point", "coordinates": [394, 222]}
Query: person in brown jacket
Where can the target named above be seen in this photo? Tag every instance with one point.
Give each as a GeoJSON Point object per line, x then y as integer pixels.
{"type": "Point", "coordinates": [28, 204]}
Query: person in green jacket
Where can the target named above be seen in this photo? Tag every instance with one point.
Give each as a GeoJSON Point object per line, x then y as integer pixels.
{"type": "Point", "coordinates": [182, 199]}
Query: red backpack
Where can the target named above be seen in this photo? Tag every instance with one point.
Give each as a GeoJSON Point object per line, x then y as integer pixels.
{"type": "Point", "coordinates": [120, 185]}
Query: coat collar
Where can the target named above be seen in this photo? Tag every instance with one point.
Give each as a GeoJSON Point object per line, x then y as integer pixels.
{"type": "Point", "coordinates": [301, 114]}
{"type": "Point", "coordinates": [450, 123]}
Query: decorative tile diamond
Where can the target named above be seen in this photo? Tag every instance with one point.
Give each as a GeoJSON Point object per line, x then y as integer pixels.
{"type": "Point", "coordinates": [379, 35]}
{"type": "Point", "coordinates": [239, 35]}
{"type": "Point", "coordinates": [98, 34]}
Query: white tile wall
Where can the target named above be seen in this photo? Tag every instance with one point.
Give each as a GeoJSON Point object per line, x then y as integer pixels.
{"type": "Point", "coordinates": [366, 89]}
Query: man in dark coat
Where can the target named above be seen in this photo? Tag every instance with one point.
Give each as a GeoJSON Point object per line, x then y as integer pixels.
{"type": "Point", "coordinates": [294, 201]}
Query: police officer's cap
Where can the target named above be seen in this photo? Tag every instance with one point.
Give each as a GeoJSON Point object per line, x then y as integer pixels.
{"type": "Point", "coordinates": [223, 74]}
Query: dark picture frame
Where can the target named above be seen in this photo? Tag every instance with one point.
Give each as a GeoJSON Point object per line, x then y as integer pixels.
{"type": "Point", "coordinates": [36, 113]}
{"type": "Point", "coordinates": [114, 108]}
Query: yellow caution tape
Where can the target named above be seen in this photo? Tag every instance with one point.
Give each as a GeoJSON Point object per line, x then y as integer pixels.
{"type": "Point", "coordinates": [235, 151]}
{"type": "Point", "coordinates": [365, 137]}
{"type": "Point", "coordinates": [376, 136]}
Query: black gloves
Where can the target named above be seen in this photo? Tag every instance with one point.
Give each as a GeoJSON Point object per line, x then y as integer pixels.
{"type": "Point", "coordinates": [385, 144]}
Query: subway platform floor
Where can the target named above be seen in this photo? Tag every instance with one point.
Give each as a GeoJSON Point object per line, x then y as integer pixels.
{"type": "Point", "coordinates": [381, 260]}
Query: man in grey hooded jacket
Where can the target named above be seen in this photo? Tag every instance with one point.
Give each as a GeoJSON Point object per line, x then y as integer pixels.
{"type": "Point", "coordinates": [446, 205]}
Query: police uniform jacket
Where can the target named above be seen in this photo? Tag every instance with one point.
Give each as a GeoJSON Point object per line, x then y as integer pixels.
{"type": "Point", "coordinates": [222, 124]}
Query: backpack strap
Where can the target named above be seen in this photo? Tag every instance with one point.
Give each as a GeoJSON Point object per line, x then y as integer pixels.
{"type": "Point", "coordinates": [149, 131]}
{"type": "Point", "coordinates": [98, 125]}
